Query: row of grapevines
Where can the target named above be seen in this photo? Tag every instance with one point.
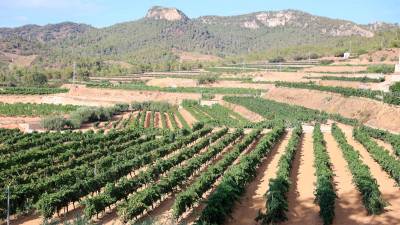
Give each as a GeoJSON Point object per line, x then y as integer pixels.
{"type": "Point", "coordinates": [143, 200]}
{"type": "Point", "coordinates": [51, 203]}
{"type": "Point", "coordinates": [362, 177]}
{"type": "Point", "coordinates": [45, 140]}
{"type": "Point", "coordinates": [388, 163]}
{"type": "Point", "coordinates": [31, 90]}
{"type": "Point", "coordinates": [276, 196]}
{"type": "Point", "coordinates": [22, 196]}
{"type": "Point", "coordinates": [393, 139]}
{"type": "Point", "coordinates": [234, 181]}
{"type": "Point", "coordinates": [121, 190]}
{"type": "Point", "coordinates": [164, 120]}
{"type": "Point", "coordinates": [193, 194]}
{"type": "Point", "coordinates": [61, 150]}
{"type": "Point", "coordinates": [172, 119]}
{"type": "Point", "coordinates": [89, 158]}
{"type": "Point", "coordinates": [325, 191]}
{"type": "Point", "coordinates": [6, 134]}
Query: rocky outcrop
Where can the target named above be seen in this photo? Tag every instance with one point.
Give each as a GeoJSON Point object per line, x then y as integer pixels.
{"type": "Point", "coordinates": [163, 13]}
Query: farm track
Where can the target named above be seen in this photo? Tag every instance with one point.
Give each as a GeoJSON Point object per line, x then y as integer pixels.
{"type": "Point", "coordinates": [387, 186]}
{"type": "Point", "coordinates": [302, 209]}
{"type": "Point", "coordinates": [246, 209]}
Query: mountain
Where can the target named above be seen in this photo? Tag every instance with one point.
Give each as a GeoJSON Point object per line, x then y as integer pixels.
{"type": "Point", "coordinates": [154, 38]}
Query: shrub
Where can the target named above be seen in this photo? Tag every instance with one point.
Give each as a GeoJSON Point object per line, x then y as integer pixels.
{"type": "Point", "coordinates": [277, 59]}
{"type": "Point", "coordinates": [383, 68]}
{"type": "Point", "coordinates": [395, 87]}
{"type": "Point", "coordinates": [55, 123]}
{"type": "Point", "coordinates": [206, 79]}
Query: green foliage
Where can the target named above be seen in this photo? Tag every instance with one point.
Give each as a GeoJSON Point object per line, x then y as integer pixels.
{"type": "Point", "coordinates": [31, 90]}
{"type": "Point", "coordinates": [55, 123]}
{"type": "Point", "coordinates": [33, 109]}
{"type": "Point", "coordinates": [271, 110]}
{"type": "Point", "coordinates": [233, 183]}
{"type": "Point", "coordinates": [393, 139]}
{"type": "Point", "coordinates": [325, 190]}
{"type": "Point", "coordinates": [145, 199]}
{"type": "Point", "coordinates": [383, 68]}
{"type": "Point", "coordinates": [152, 106]}
{"type": "Point", "coordinates": [276, 197]}
{"type": "Point", "coordinates": [200, 90]}
{"type": "Point", "coordinates": [362, 177]}
{"type": "Point", "coordinates": [388, 163]}
{"type": "Point", "coordinates": [193, 194]}
{"type": "Point", "coordinates": [326, 62]}
{"type": "Point", "coordinates": [364, 79]}
{"type": "Point", "coordinates": [206, 79]}
{"type": "Point", "coordinates": [395, 87]}
{"type": "Point", "coordinates": [215, 115]}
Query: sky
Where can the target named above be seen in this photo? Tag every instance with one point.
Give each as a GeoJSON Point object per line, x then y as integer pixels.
{"type": "Point", "coordinates": [102, 13]}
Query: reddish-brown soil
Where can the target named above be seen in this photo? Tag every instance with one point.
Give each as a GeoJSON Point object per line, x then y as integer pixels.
{"type": "Point", "coordinates": [147, 120]}
{"type": "Point", "coordinates": [157, 119]}
{"type": "Point", "coordinates": [168, 121]}
{"type": "Point", "coordinates": [371, 112]}
{"type": "Point", "coordinates": [302, 209]}
{"type": "Point", "coordinates": [178, 121]}
{"type": "Point", "coordinates": [247, 208]}
{"type": "Point", "coordinates": [187, 116]}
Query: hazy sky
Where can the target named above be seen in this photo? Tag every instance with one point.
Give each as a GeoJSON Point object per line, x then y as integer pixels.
{"type": "Point", "coordinates": [102, 13]}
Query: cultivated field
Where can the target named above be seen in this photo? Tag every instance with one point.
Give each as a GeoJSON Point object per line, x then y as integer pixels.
{"type": "Point", "coordinates": [175, 149]}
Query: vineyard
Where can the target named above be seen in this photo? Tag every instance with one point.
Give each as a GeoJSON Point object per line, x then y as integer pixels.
{"type": "Point", "coordinates": [152, 166]}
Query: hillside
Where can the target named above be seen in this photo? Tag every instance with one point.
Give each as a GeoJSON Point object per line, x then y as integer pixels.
{"type": "Point", "coordinates": [153, 38]}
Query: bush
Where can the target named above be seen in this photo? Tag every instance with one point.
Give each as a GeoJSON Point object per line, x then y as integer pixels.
{"type": "Point", "coordinates": [395, 87]}
{"type": "Point", "coordinates": [326, 62]}
{"type": "Point", "coordinates": [206, 79]}
{"type": "Point", "coordinates": [383, 68]}
{"type": "Point", "coordinates": [277, 59]}
{"type": "Point", "coordinates": [55, 123]}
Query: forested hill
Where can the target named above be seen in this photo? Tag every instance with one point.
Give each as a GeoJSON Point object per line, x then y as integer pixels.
{"type": "Point", "coordinates": [153, 38]}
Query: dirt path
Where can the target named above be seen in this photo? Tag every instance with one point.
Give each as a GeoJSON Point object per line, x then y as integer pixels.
{"type": "Point", "coordinates": [246, 210]}
{"type": "Point", "coordinates": [157, 120]}
{"type": "Point", "coordinates": [178, 122]}
{"type": "Point", "coordinates": [349, 208]}
{"type": "Point", "coordinates": [387, 185]}
{"type": "Point", "coordinates": [302, 209]}
{"type": "Point", "coordinates": [187, 116]}
{"type": "Point", "coordinates": [167, 121]}
{"type": "Point", "coordinates": [147, 120]}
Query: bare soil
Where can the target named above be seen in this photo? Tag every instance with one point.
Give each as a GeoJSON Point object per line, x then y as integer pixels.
{"type": "Point", "coordinates": [370, 112]}
{"type": "Point", "coordinates": [302, 209]}
{"type": "Point", "coordinates": [157, 119]}
{"type": "Point", "coordinates": [187, 116]}
{"type": "Point", "coordinates": [168, 121]}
